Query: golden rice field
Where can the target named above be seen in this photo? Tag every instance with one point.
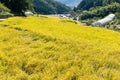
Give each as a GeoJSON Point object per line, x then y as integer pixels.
{"type": "Point", "coordinates": [50, 48]}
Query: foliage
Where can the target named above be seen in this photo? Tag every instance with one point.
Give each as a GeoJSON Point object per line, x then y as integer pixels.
{"type": "Point", "coordinates": [49, 7]}
{"type": "Point", "coordinates": [18, 6]}
{"type": "Point", "coordinates": [118, 15]}
{"type": "Point", "coordinates": [98, 8]}
{"type": "Point", "coordinates": [4, 11]}
{"type": "Point", "coordinates": [88, 4]}
{"type": "Point", "coordinates": [101, 11]}
{"type": "Point", "coordinates": [50, 48]}
{"type": "Point", "coordinates": [3, 8]}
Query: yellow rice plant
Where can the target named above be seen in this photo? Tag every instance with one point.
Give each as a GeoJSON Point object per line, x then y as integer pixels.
{"type": "Point", "coordinates": [51, 48]}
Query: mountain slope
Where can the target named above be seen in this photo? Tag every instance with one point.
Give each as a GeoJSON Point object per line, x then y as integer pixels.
{"type": "Point", "coordinates": [93, 9]}
{"type": "Point", "coordinates": [49, 7]}
{"type": "Point", "coordinates": [101, 11]}
{"type": "Point", "coordinates": [87, 4]}
{"type": "Point", "coordinates": [50, 48]}
{"type": "Point", "coordinates": [18, 7]}
{"type": "Point", "coordinates": [70, 3]}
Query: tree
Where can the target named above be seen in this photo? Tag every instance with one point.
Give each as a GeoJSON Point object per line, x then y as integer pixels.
{"type": "Point", "coordinates": [18, 6]}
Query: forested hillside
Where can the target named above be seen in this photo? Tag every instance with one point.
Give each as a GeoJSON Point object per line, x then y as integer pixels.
{"type": "Point", "coordinates": [49, 7]}
{"type": "Point", "coordinates": [88, 4]}
{"type": "Point", "coordinates": [98, 8]}
{"type": "Point", "coordinates": [101, 11]}
{"type": "Point", "coordinates": [18, 6]}
{"type": "Point", "coordinates": [90, 11]}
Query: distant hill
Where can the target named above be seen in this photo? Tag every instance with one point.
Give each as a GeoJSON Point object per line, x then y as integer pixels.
{"type": "Point", "coordinates": [49, 7]}
{"type": "Point", "coordinates": [70, 3]}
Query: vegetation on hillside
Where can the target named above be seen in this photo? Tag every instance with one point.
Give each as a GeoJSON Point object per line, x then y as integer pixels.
{"type": "Point", "coordinates": [50, 48]}
{"type": "Point", "coordinates": [101, 11]}
{"type": "Point", "coordinates": [4, 10]}
{"type": "Point", "coordinates": [88, 4]}
{"type": "Point", "coordinates": [49, 7]}
{"type": "Point", "coordinates": [18, 6]}
{"type": "Point", "coordinates": [97, 8]}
